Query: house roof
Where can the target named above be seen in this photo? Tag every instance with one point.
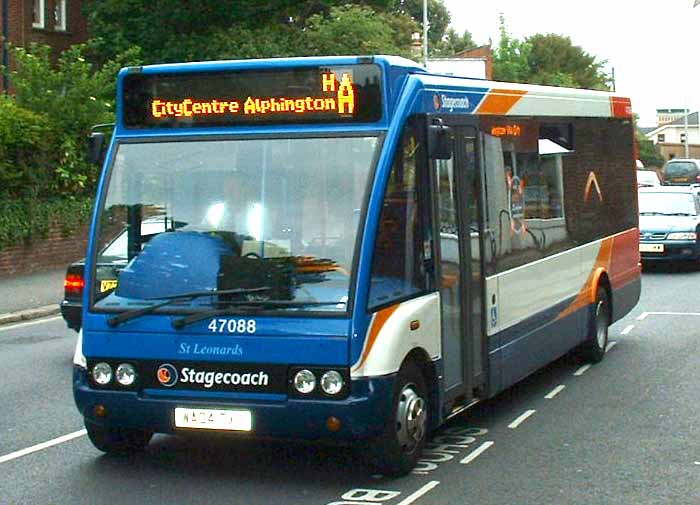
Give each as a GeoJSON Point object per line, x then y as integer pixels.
{"type": "Point", "coordinates": [678, 123]}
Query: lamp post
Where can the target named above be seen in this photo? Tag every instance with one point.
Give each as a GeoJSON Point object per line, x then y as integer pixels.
{"type": "Point", "coordinates": [697, 114]}
{"type": "Point", "coordinates": [425, 31]}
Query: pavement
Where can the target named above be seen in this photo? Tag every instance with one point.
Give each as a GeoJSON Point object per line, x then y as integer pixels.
{"type": "Point", "coordinates": [31, 296]}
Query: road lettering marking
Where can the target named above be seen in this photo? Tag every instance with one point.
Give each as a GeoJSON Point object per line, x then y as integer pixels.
{"type": "Point", "coordinates": [554, 392]}
{"type": "Point", "coordinates": [29, 323]}
{"type": "Point", "coordinates": [425, 489]}
{"type": "Point", "coordinates": [610, 345]}
{"type": "Point", "coordinates": [43, 445]}
{"type": "Point", "coordinates": [582, 370]}
{"type": "Point", "coordinates": [627, 329]}
{"type": "Point", "coordinates": [476, 452]}
{"type": "Point", "coordinates": [521, 419]}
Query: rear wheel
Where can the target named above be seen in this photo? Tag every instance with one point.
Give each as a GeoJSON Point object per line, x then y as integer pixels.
{"type": "Point", "coordinates": [117, 440]}
{"type": "Point", "coordinates": [593, 348]}
{"type": "Point", "coordinates": [397, 450]}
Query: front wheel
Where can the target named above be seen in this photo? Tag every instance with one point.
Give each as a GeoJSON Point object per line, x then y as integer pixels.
{"type": "Point", "coordinates": [117, 440]}
{"type": "Point", "coordinates": [593, 348]}
{"type": "Point", "coordinates": [397, 451]}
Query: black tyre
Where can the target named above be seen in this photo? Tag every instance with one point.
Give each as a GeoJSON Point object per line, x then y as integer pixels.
{"type": "Point", "coordinates": [398, 449]}
{"type": "Point", "coordinates": [593, 348]}
{"type": "Point", "coordinates": [117, 440]}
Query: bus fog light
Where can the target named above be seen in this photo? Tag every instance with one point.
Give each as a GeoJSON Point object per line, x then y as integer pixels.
{"type": "Point", "coordinates": [126, 374]}
{"type": "Point", "coordinates": [102, 373]}
{"type": "Point", "coordinates": [304, 381]}
{"type": "Point", "coordinates": [332, 382]}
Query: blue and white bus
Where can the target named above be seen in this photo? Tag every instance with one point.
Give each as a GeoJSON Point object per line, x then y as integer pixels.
{"type": "Point", "coordinates": [345, 249]}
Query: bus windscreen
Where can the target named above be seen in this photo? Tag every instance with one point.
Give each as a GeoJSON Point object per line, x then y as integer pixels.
{"type": "Point", "coordinates": [321, 94]}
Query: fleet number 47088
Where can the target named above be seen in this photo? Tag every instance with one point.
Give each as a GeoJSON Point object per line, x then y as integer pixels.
{"type": "Point", "coordinates": [232, 326]}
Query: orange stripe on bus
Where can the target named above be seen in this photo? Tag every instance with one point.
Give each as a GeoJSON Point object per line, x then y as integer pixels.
{"type": "Point", "coordinates": [587, 294]}
{"type": "Point", "coordinates": [500, 101]}
{"type": "Point", "coordinates": [380, 318]}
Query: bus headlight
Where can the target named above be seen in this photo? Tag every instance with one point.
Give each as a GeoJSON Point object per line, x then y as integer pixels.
{"type": "Point", "coordinates": [126, 374]}
{"type": "Point", "coordinates": [332, 382]}
{"type": "Point", "coordinates": [304, 381]}
{"type": "Point", "coordinates": [691, 235]}
{"type": "Point", "coordinates": [102, 373]}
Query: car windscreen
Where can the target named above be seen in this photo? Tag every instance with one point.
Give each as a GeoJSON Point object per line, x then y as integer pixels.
{"type": "Point", "coordinates": [667, 204]}
{"type": "Point", "coordinates": [281, 214]}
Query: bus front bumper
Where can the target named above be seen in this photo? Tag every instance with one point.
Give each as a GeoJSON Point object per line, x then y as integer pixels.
{"type": "Point", "coordinates": [362, 414]}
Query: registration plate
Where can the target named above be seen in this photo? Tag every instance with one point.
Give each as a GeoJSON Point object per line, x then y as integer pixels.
{"type": "Point", "coordinates": [213, 419]}
{"type": "Point", "coordinates": [653, 248]}
{"type": "Point", "coordinates": [108, 285]}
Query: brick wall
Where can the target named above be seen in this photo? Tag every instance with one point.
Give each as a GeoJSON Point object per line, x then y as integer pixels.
{"type": "Point", "coordinates": [21, 32]}
{"type": "Point", "coordinates": [55, 251]}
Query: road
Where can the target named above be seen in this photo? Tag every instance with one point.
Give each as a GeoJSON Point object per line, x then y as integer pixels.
{"type": "Point", "coordinates": [623, 431]}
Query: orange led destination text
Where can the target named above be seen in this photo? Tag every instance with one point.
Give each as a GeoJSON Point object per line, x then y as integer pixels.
{"type": "Point", "coordinates": [342, 103]}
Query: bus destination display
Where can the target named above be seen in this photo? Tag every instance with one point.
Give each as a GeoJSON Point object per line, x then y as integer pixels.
{"type": "Point", "coordinates": [350, 93]}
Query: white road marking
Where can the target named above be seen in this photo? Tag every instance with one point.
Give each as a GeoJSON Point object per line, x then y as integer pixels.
{"type": "Point", "coordinates": [610, 345]}
{"type": "Point", "coordinates": [44, 445]}
{"type": "Point", "coordinates": [521, 419]}
{"type": "Point", "coordinates": [627, 329]}
{"type": "Point", "coordinates": [554, 392]}
{"type": "Point", "coordinates": [476, 453]}
{"type": "Point", "coordinates": [412, 498]}
{"type": "Point", "coordinates": [642, 316]}
{"type": "Point", "coordinates": [582, 370]}
{"type": "Point", "coordinates": [29, 323]}
{"type": "Point", "coordinates": [670, 314]}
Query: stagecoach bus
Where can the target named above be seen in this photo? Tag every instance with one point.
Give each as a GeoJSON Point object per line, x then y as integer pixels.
{"type": "Point", "coordinates": [345, 249]}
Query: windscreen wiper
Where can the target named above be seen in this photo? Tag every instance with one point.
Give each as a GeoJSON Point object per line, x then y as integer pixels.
{"type": "Point", "coordinates": [237, 306]}
{"type": "Point", "coordinates": [167, 300]}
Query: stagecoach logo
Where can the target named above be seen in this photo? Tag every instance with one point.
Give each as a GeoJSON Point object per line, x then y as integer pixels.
{"type": "Point", "coordinates": [167, 375]}
{"type": "Point", "coordinates": [451, 103]}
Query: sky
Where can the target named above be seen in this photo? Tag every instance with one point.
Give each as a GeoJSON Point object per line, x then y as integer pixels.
{"type": "Point", "coordinates": [654, 46]}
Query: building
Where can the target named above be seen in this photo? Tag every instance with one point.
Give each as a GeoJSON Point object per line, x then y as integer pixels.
{"type": "Point", "coordinates": [665, 116]}
{"type": "Point", "coordinates": [476, 63]}
{"type": "Point", "coordinates": [56, 23]}
{"type": "Point", "coordinates": [671, 137]}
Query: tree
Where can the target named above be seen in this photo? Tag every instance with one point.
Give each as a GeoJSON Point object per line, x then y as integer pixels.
{"type": "Point", "coordinates": [180, 30]}
{"type": "Point", "coordinates": [547, 59]}
{"type": "Point", "coordinates": [453, 43]}
{"type": "Point", "coordinates": [438, 18]}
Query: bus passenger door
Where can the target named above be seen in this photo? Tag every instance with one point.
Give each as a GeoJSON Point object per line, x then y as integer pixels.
{"type": "Point", "coordinates": [460, 276]}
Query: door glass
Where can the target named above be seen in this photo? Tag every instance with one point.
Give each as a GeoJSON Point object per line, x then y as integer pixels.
{"type": "Point", "coordinates": [450, 276]}
{"type": "Point", "coordinates": [471, 208]}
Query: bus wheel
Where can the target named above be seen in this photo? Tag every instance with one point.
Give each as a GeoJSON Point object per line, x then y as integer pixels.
{"type": "Point", "coordinates": [398, 449]}
{"type": "Point", "coordinates": [594, 347]}
{"type": "Point", "coordinates": [117, 440]}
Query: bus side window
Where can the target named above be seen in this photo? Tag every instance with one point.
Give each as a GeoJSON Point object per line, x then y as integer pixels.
{"type": "Point", "coordinates": [398, 270]}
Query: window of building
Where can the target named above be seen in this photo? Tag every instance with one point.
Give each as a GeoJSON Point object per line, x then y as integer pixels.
{"type": "Point", "coordinates": [661, 137]}
{"type": "Point", "coordinates": [398, 267]}
{"type": "Point", "coordinates": [60, 16]}
{"type": "Point", "coordinates": [38, 14]}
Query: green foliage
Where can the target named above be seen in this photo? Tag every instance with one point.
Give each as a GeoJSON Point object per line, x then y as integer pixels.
{"type": "Point", "coordinates": [438, 18]}
{"type": "Point", "coordinates": [26, 219]}
{"type": "Point", "coordinates": [71, 95]}
{"type": "Point", "coordinates": [649, 153]}
{"type": "Point", "coordinates": [26, 139]}
{"type": "Point", "coordinates": [180, 30]}
{"type": "Point", "coordinates": [351, 30]}
{"type": "Point", "coordinates": [547, 59]}
{"type": "Point", "coordinates": [453, 43]}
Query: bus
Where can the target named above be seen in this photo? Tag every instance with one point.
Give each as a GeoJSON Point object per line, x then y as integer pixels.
{"type": "Point", "coordinates": [349, 250]}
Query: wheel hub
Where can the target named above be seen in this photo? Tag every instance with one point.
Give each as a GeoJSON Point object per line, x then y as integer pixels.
{"type": "Point", "coordinates": [410, 418]}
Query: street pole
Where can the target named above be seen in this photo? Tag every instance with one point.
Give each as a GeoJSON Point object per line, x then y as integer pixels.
{"type": "Point", "coordinates": [697, 113]}
{"type": "Point", "coordinates": [425, 33]}
{"type": "Point", "coordinates": [685, 127]}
